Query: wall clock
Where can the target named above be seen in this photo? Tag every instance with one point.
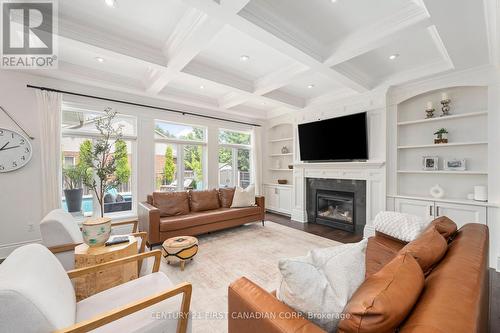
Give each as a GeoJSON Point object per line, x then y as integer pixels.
{"type": "Point", "coordinates": [15, 150]}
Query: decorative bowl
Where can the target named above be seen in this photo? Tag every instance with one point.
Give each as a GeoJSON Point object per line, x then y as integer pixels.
{"type": "Point", "coordinates": [290, 166]}
{"type": "Point", "coordinates": [96, 231]}
{"type": "Point", "coordinates": [282, 181]}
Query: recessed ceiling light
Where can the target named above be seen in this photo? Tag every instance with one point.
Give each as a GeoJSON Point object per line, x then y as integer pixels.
{"type": "Point", "coordinates": [310, 86]}
{"type": "Point", "coordinates": [393, 56]}
{"type": "Point", "coordinates": [244, 58]}
{"type": "Point", "coordinates": [333, 1]}
{"type": "Point", "coordinates": [99, 59]}
{"type": "Point", "coordinates": [110, 3]}
{"type": "Point", "coordinates": [202, 87]}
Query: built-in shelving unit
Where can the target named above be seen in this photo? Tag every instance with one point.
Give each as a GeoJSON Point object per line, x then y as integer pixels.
{"type": "Point", "coordinates": [281, 140]}
{"type": "Point", "coordinates": [467, 127]}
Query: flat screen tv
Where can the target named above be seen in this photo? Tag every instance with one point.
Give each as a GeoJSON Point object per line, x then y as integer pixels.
{"type": "Point", "coordinates": [337, 139]}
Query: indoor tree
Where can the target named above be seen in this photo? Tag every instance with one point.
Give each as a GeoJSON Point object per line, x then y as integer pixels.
{"type": "Point", "coordinates": [122, 165]}
{"type": "Point", "coordinates": [101, 160]}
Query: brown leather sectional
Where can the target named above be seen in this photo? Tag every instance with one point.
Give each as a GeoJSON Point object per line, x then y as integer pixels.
{"type": "Point", "coordinates": [452, 295]}
{"type": "Point", "coordinates": [191, 213]}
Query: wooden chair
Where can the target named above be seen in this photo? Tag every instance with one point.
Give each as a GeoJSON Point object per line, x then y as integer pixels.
{"type": "Point", "coordinates": [37, 295]}
{"type": "Point", "coordinates": [61, 234]}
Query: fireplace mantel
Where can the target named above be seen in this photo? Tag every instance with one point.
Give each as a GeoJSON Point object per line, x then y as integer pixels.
{"type": "Point", "coordinates": [373, 171]}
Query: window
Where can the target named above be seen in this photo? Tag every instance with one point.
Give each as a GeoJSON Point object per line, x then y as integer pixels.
{"type": "Point", "coordinates": [234, 159]}
{"type": "Point", "coordinates": [78, 135]}
{"type": "Point", "coordinates": [179, 157]}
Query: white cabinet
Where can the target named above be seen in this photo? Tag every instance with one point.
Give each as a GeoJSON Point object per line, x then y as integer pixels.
{"type": "Point", "coordinates": [278, 198]}
{"type": "Point", "coordinates": [460, 213]}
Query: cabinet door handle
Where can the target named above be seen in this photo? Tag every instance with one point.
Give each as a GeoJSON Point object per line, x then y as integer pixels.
{"type": "Point", "coordinates": [430, 210]}
{"type": "Point", "coordinates": [437, 211]}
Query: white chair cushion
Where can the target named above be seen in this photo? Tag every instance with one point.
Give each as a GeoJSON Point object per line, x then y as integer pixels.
{"type": "Point", "coordinates": [59, 228]}
{"type": "Point", "coordinates": [321, 283]}
{"type": "Point", "coordinates": [36, 294]}
{"type": "Point", "coordinates": [405, 227]}
{"type": "Point", "coordinates": [159, 318]}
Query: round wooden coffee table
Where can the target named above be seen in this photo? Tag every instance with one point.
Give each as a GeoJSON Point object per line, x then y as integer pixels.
{"type": "Point", "coordinates": [179, 249]}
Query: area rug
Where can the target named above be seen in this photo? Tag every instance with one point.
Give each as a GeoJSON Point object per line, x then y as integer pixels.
{"type": "Point", "coordinates": [250, 250]}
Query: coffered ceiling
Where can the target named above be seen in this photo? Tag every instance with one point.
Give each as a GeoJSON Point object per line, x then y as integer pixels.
{"type": "Point", "coordinates": [257, 58]}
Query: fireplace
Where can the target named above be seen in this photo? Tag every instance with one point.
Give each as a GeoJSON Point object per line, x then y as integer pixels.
{"type": "Point", "coordinates": [335, 208]}
{"type": "Point", "coordinates": [338, 203]}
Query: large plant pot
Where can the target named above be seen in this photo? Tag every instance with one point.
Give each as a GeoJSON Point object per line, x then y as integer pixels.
{"type": "Point", "coordinates": [96, 231]}
{"type": "Point", "coordinates": [74, 199]}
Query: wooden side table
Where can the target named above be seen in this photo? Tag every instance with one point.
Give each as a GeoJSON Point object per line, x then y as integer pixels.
{"type": "Point", "coordinates": [96, 282]}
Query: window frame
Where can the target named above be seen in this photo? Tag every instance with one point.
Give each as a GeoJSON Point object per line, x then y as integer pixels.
{"type": "Point", "coordinates": [72, 133]}
{"type": "Point", "coordinates": [180, 145]}
{"type": "Point", "coordinates": [234, 154]}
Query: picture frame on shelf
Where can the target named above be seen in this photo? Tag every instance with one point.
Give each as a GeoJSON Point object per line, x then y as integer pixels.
{"type": "Point", "coordinates": [430, 163]}
{"type": "Point", "coordinates": [454, 164]}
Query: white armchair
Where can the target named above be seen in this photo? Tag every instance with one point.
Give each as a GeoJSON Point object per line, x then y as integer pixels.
{"type": "Point", "coordinates": [36, 295]}
{"type": "Point", "coordinates": [61, 234]}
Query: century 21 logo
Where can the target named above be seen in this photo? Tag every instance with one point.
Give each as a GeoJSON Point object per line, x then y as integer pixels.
{"type": "Point", "coordinates": [27, 28]}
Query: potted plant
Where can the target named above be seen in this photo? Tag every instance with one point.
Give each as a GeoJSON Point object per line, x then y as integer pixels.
{"type": "Point", "coordinates": [441, 136]}
{"type": "Point", "coordinates": [101, 159]}
{"type": "Point", "coordinates": [73, 191]}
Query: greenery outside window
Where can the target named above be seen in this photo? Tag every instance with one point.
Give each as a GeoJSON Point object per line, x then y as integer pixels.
{"type": "Point", "coordinates": [179, 157]}
{"type": "Point", "coordinates": [234, 159]}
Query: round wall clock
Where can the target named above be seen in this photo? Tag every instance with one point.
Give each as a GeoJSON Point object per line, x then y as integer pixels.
{"type": "Point", "coordinates": [15, 150]}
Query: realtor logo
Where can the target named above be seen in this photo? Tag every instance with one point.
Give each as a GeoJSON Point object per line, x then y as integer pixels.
{"type": "Point", "coordinates": [29, 34]}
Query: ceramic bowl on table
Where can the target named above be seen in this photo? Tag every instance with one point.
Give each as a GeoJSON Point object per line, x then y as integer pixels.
{"type": "Point", "coordinates": [96, 231]}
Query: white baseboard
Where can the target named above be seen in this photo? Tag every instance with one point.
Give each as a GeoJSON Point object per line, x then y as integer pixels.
{"type": "Point", "coordinates": [299, 215]}
{"type": "Point", "coordinates": [6, 249]}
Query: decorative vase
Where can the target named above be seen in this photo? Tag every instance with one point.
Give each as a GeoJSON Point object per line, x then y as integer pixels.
{"type": "Point", "coordinates": [437, 191]}
{"type": "Point", "coordinates": [74, 199]}
{"type": "Point", "coordinates": [284, 150]}
{"type": "Point", "coordinates": [96, 231]}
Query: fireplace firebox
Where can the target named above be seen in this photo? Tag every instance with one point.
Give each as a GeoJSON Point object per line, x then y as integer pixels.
{"type": "Point", "coordinates": [338, 203]}
{"type": "Point", "coordinates": [335, 208]}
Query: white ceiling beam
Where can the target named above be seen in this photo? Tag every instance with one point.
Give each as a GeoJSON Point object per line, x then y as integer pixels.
{"type": "Point", "coordinates": [280, 78]}
{"type": "Point", "coordinates": [192, 34]}
{"type": "Point", "coordinates": [241, 21]}
{"type": "Point", "coordinates": [410, 19]}
{"type": "Point", "coordinates": [233, 99]}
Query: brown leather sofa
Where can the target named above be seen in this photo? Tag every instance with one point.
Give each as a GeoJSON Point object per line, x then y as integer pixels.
{"type": "Point", "coordinates": [190, 213]}
{"type": "Point", "coordinates": [454, 298]}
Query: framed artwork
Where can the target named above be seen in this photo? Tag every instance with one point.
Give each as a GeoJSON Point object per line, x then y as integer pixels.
{"type": "Point", "coordinates": [454, 165]}
{"type": "Point", "coordinates": [430, 163]}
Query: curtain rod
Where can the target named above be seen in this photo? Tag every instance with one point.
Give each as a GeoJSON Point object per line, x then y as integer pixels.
{"type": "Point", "coordinates": [141, 105]}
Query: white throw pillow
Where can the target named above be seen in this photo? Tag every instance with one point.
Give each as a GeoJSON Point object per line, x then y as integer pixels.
{"type": "Point", "coordinates": [405, 227]}
{"type": "Point", "coordinates": [244, 197]}
{"type": "Point", "coordinates": [320, 284]}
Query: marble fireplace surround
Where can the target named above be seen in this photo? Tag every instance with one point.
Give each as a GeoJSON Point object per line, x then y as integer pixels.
{"type": "Point", "coordinates": [373, 172]}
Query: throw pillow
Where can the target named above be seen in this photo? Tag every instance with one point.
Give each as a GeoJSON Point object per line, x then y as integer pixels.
{"type": "Point", "coordinates": [445, 226]}
{"type": "Point", "coordinates": [321, 283]}
{"type": "Point", "coordinates": [226, 196]}
{"type": "Point", "coordinates": [428, 249]}
{"type": "Point", "coordinates": [171, 203]}
{"type": "Point", "coordinates": [405, 227]}
{"type": "Point", "coordinates": [384, 299]}
{"type": "Point", "coordinates": [244, 197]}
{"type": "Point", "coordinates": [204, 200]}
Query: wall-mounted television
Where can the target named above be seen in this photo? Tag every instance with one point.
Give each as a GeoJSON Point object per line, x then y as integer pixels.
{"type": "Point", "coordinates": [336, 139]}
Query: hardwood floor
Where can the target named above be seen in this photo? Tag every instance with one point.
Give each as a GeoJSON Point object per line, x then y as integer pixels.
{"type": "Point", "coordinates": [346, 237]}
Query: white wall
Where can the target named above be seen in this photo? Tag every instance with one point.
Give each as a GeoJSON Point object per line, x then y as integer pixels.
{"type": "Point", "coordinates": [20, 191]}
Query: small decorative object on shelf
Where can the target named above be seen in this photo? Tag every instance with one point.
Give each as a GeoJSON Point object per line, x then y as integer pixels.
{"type": "Point", "coordinates": [430, 163]}
{"type": "Point", "coordinates": [278, 164]}
{"type": "Point", "coordinates": [480, 193]}
{"type": "Point", "coordinates": [437, 191]}
{"type": "Point", "coordinates": [282, 181]}
{"type": "Point", "coordinates": [441, 136]}
{"type": "Point", "coordinates": [454, 165]}
{"type": "Point", "coordinates": [429, 111]}
{"type": "Point", "coordinates": [445, 101]}
{"type": "Point", "coordinates": [284, 150]}
{"type": "Point", "coordinates": [290, 166]}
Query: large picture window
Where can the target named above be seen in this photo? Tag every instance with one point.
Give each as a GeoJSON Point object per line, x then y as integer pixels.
{"type": "Point", "coordinates": [179, 157]}
{"type": "Point", "coordinates": [234, 159]}
{"type": "Point", "coordinates": [78, 135]}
